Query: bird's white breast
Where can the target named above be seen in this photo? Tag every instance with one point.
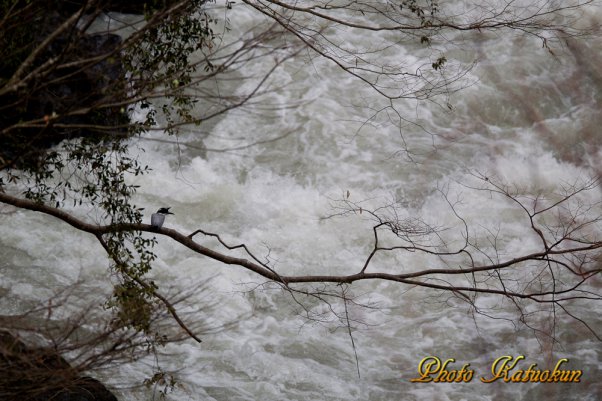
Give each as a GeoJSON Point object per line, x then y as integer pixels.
{"type": "Point", "coordinates": [157, 219]}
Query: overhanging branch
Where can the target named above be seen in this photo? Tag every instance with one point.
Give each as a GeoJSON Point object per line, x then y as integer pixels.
{"type": "Point", "coordinates": [266, 272]}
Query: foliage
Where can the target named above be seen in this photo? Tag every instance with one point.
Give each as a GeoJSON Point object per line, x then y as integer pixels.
{"type": "Point", "coordinates": [161, 60]}
{"type": "Point", "coordinates": [425, 12]}
{"type": "Point", "coordinates": [91, 170]}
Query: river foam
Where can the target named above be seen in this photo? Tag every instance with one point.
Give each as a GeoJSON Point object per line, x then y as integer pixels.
{"type": "Point", "coordinates": [276, 197]}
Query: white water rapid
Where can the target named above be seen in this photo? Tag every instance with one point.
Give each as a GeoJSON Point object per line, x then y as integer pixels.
{"type": "Point", "coordinates": [528, 117]}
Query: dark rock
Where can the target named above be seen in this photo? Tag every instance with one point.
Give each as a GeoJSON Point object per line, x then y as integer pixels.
{"type": "Point", "coordinates": [70, 98]}
{"type": "Point", "coordinates": [40, 374]}
{"type": "Point", "coordinates": [68, 7]}
{"type": "Point", "coordinates": [83, 389]}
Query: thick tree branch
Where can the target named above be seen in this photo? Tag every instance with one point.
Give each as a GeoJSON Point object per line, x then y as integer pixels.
{"type": "Point", "coordinates": [266, 272]}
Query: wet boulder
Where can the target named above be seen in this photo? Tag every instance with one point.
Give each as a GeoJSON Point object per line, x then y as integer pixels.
{"type": "Point", "coordinates": [40, 374]}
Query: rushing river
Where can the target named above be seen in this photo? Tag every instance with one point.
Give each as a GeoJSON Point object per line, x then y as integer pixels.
{"type": "Point", "coordinates": [528, 117]}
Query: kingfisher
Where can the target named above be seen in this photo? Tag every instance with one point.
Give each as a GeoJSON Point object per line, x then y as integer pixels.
{"type": "Point", "coordinates": [158, 218]}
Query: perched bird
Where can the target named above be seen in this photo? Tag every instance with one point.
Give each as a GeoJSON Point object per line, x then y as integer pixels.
{"type": "Point", "coordinates": [158, 218]}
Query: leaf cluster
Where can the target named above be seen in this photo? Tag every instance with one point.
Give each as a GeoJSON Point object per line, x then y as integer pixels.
{"type": "Point", "coordinates": [424, 10]}
{"type": "Point", "coordinates": [162, 62]}
{"type": "Point", "coordinates": [65, 125]}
